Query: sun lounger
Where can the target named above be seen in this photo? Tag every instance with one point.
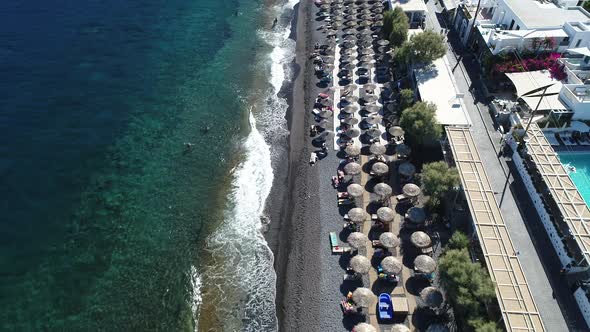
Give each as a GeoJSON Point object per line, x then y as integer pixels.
{"type": "Point", "coordinates": [401, 197]}
{"type": "Point", "coordinates": [551, 138]}
{"type": "Point", "coordinates": [335, 244]}
{"type": "Point", "coordinates": [345, 201]}
{"type": "Point", "coordinates": [584, 140]}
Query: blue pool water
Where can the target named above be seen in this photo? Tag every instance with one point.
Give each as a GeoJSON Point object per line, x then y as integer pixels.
{"type": "Point", "coordinates": [581, 177]}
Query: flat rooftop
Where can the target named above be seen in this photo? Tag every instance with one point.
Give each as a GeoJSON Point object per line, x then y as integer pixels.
{"type": "Point", "coordinates": [410, 5]}
{"type": "Point", "coordinates": [436, 84]}
{"type": "Point", "coordinates": [519, 311]}
{"type": "Point", "coordinates": [536, 15]}
{"type": "Point", "coordinates": [570, 202]}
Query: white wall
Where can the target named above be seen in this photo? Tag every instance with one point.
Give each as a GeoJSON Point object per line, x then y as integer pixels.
{"type": "Point", "coordinates": [583, 304]}
{"type": "Point", "coordinates": [538, 203]}
{"type": "Point", "coordinates": [581, 108]}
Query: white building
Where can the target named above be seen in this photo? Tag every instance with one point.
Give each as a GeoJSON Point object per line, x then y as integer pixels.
{"type": "Point", "coordinates": [536, 25]}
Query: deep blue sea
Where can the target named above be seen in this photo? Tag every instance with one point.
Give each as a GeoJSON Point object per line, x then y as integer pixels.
{"type": "Point", "coordinates": [109, 221]}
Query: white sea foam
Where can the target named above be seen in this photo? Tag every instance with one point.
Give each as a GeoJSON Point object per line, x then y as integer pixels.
{"type": "Point", "coordinates": [242, 263]}
{"type": "Point", "coordinates": [242, 260]}
{"type": "Point", "coordinates": [196, 298]}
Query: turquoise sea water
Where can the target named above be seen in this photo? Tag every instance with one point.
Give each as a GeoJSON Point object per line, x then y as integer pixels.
{"type": "Point", "coordinates": [581, 177]}
{"type": "Point", "coordinates": [108, 220]}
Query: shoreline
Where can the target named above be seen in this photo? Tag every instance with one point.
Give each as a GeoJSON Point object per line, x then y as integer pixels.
{"type": "Point", "coordinates": [294, 234]}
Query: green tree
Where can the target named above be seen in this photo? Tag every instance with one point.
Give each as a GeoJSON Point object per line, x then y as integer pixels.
{"type": "Point", "coordinates": [458, 241]}
{"type": "Point", "coordinates": [586, 5]}
{"type": "Point", "coordinates": [438, 178]}
{"type": "Point", "coordinates": [388, 18]}
{"type": "Point", "coordinates": [395, 26]}
{"type": "Point", "coordinates": [420, 124]}
{"type": "Point", "coordinates": [406, 98]}
{"type": "Point", "coordinates": [423, 47]}
{"type": "Point", "coordinates": [427, 46]}
{"type": "Point", "coordinates": [467, 284]}
{"type": "Point", "coordinates": [482, 325]}
{"type": "Point", "coordinates": [400, 27]}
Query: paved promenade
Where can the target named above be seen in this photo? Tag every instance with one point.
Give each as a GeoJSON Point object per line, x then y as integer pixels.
{"type": "Point", "coordinates": [487, 142]}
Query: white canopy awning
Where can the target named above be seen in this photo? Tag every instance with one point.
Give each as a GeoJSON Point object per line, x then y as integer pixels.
{"type": "Point", "coordinates": [449, 4]}
{"type": "Point", "coordinates": [526, 82]}
{"type": "Point", "coordinates": [580, 50]}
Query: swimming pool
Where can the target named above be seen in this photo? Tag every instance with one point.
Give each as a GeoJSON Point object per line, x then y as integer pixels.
{"type": "Point", "coordinates": [581, 177]}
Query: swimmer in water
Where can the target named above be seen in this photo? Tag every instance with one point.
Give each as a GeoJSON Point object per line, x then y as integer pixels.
{"type": "Point", "coordinates": [274, 23]}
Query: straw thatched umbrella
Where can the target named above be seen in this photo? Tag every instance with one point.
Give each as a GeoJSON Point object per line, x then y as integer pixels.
{"type": "Point", "coordinates": [378, 17]}
{"type": "Point", "coordinates": [382, 190]}
{"type": "Point", "coordinates": [395, 131]}
{"type": "Point", "coordinates": [366, 58]}
{"type": "Point", "coordinates": [351, 99]}
{"type": "Point", "coordinates": [373, 119]}
{"type": "Point", "coordinates": [363, 327]}
{"type": "Point", "coordinates": [403, 150]}
{"type": "Point", "coordinates": [352, 150]}
{"type": "Point", "coordinates": [365, 43]}
{"type": "Point", "coordinates": [378, 24]}
{"type": "Point", "coordinates": [357, 240]}
{"type": "Point", "coordinates": [424, 264]}
{"type": "Point", "coordinates": [323, 135]}
{"type": "Point", "coordinates": [350, 109]}
{"type": "Point", "coordinates": [325, 101]}
{"type": "Point", "coordinates": [374, 132]}
{"type": "Point", "coordinates": [416, 215]}
{"type": "Point", "coordinates": [406, 169]}
{"type": "Point", "coordinates": [352, 168]}
{"type": "Point", "coordinates": [325, 114]}
{"type": "Point", "coordinates": [350, 23]}
{"type": "Point", "coordinates": [350, 17]}
{"type": "Point", "coordinates": [391, 265]}
{"type": "Point", "coordinates": [350, 121]}
{"type": "Point", "coordinates": [411, 190]}
{"type": "Point", "coordinates": [352, 132]}
{"type": "Point", "coordinates": [383, 42]}
{"type": "Point", "coordinates": [385, 214]}
{"type": "Point", "coordinates": [370, 98]}
{"type": "Point", "coordinates": [366, 51]}
{"type": "Point", "coordinates": [437, 328]}
{"type": "Point", "coordinates": [354, 190]}
{"type": "Point", "coordinates": [350, 38]}
{"type": "Point", "coordinates": [379, 169]}
{"type": "Point", "coordinates": [389, 240]}
{"type": "Point", "coordinates": [432, 297]}
{"type": "Point", "coordinates": [399, 328]}
{"type": "Point", "coordinates": [360, 264]}
{"type": "Point", "coordinates": [378, 149]}
{"type": "Point", "coordinates": [420, 240]}
{"type": "Point", "coordinates": [373, 108]}
{"type": "Point", "coordinates": [323, 123]}
{"type": "Point", "coordinates": [350, 88]}
{"type": "Point", "coordinates": [362, 296]}
{"type": "Point", "coordinates": [348, 66]}
{"type": "Point", "coordinates": [357, 215]}
{"type": "Point", "coordinates": [370, 86]}
{"type": "Point", "coordinates": [328, 67]}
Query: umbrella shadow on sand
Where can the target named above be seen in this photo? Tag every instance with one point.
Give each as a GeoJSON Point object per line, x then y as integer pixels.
{"type": "Point", "coordinates": [344, 233]}
{"type": "Point", "coordinates": [415, 284]}
{"type": "Point", "coordinates": [344, 260]}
